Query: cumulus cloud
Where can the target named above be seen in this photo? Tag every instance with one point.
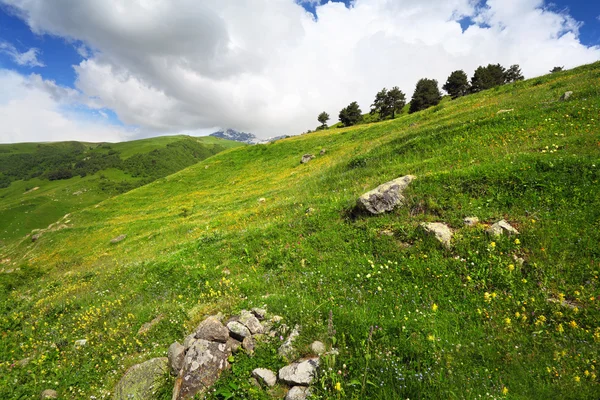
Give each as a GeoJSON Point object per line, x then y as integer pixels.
{"type": "Point", "coordinates": [33, 110]}
{"type": "Point", "coordinates": [269, 66]}
{"type": "Point", "coordinates": [26, 59]}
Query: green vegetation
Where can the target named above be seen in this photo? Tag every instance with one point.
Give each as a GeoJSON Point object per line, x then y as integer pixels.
{"type": "Point", "coordinates": [426, 94]}
{"type": "Point", "coordinates": [457, 84]}
{"type": "Point", "coordinates": [44, 181]}
{"type": "Point", "coordinates": [410, 318]}
{"type": "Point", "coordinates": [351, 115]}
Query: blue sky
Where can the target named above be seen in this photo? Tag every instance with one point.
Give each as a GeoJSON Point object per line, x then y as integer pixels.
{"type": "Point", "coordinates": [91, 87]}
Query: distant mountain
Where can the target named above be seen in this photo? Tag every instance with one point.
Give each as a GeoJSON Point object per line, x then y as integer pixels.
{"type": "Point", "coordinates": [243, 137]}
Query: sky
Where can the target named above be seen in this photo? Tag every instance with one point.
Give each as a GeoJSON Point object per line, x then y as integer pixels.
{"type": "Point", "coordinates": [114, 70]}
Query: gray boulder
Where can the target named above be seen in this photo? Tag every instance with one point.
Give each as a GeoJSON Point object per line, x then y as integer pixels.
{"type": "Point", "coordinates": [213, 330]}
{"type": "Point", "coordinates": [299, 373]}
{"type": "Point", "coordinates": [318, 347]}
{"type": "Point", "coordinates": [306, 158]}
{"type": "Point", "coordinates": [249, 344]}
{"type": "Point", "coordinates": [502, 228]}
{"type": "Point", "coordinates": [141, 380]}
{"type": "Point", "coordinates": [298, 393]}
{"type": "Point", "coordinates": [202, 366]}
{"type": "Point", "coordinates": [189, 341]}
{"type": "Point", "coordinates": [441, 232]}
{"type": "Point", "coordinates": [259, 313]}
{"type": "Point", "coordinates": [238, 330]}
{"type": "Point", "coordinates": [287, 348]}
{"type": "Point", "coordinates": [118, 239]}
{"type": "Point", "coordinates": [566, 96]}
{"type": "Point", "coordinates": [385, 197]}
{"type": "Point", "coordinates": [471, 221]}
{"type": "Point", "coordinates": [233, 344]}
{"type": "Point", "coordinates": [265, 376]}
{"type": "Point", "coordinates": [49, 394]}
{"type": "Point", "coordinates": [251, 322]}
{"type": "Point", "coordinates": [176, 355]}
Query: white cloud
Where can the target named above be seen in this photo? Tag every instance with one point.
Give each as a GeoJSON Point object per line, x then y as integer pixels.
{"type": "Point", "coordinates": [270, 67]}
{"type": "Point", "coordinates": [32, 110]}
{"type": "Point", "coordinates": [26, 59]}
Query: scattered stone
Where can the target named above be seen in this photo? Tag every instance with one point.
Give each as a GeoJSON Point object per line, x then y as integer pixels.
{"type": "Point", "coordinates": [149, 325]}
{"type": "Point", "coordinates": [36, 237]}
{"type": "Point", "coordinates": [276, 319]}
{"type": "Point", "coordinates": [298, 393]}
{"type": "Point", "coordinates": [519, 260]}
{"type": "Point", "coordinates": [385, 197]}
{"type": "Point", "coordinates": [265, 376]}
{"type": "Point", "coordinates": [202, 367]}
{"type": "Point", "coordinates": [49, 394]}
{"type": "Point", "coordinates": [306, 158]}
{"type": "Point", "coordinates": [141, 380]}
{"type": "Point", "coordinates": [505, 111]}
{"type": "Point", "coordinates": [262, 200]}
{"type": "Point", "coordinates": [237, 330]}
{"type": "Point", "coordinates": [259, 313]}
{"type": "Point", "coordinates": [234, 345]}
{"type": "Point", "coordinates": [318, 347]}
{"type": "Point", "coordinates": [176, 356]}
{"type": "Point", "coordinates": [189, 341]}
{"type": "Point", "coordinates": [386, 232]}
{"type": "Point", "coordinates": [213, 330]}
{"type": "Point", "coordinates": [80, 343]}
{"type": "Point", "coordinates": [287, 348]}
{"type": "Point", "coordinates": [310, 210]}
{"type": "Point", "coordinates": [299, 373]}
{"type": "Point", "coordinates": [118, 239]}
{"type": "Point", "coordinates": [502, 227]}
{"type": "Point", "coordinates": [322, 152]}
{"type": "Point", "coordinates": [251, 322]}
{"type": "Point", "coordinates": [566, 96]}
{"type": "Point", "coordinates": [24, 361]}
{"type": "Point", "coordinates": [32, 190]}
{"type": "Point", "coordinates": [471, 221]}
{"type": "Point", "coordinates": [441, 231]}
{"type": "Point", "coordinates": [249, 344]}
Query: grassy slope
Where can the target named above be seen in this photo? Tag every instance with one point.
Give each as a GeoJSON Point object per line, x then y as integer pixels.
{"type": "Point", "coordinates": [21, 212]}
{"type": "Point", "coordinates": [199, 242]}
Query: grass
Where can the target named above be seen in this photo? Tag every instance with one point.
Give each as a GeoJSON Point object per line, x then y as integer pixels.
{"type": "Point", "coordinates": [410, 318]}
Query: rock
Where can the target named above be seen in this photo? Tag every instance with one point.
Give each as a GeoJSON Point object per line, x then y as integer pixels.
{"type": "Point", "coordinates": [233, 345]}
{"type": "Point", "coordinates": [471, 221]}
{"type": "Point", "coordinates": [299, 373]}
{"type": "Point", "coordinates": [141, 380]}
{"type": "Point", "coordinates": [322, 152]}
{"type": "Point", "coordinates": [36, 237]}
{"type": "Point", "coordinates": [502, 227]}
{"type": "Point", "coordinates": [519, 260]}
{"type": "Point", "coordinates": [24, 361]}
{"type": "Point", "coordinates": [202, 366]}
{"type": "Point", "coordinates": [298, 393]}
{"type": "Point", "coordinates": [149, 325]}
{"type": "Point", "coordinates": [385, 197]}
{"type": "Point", "coordinates": [259, 313]}
{"type": "Point", "coordinates": [49, 394]}
{"type": "Point", "coordinates": [237, 330]}
{"type": "Point", "coordinates": [287, 348]}
{"type": "Point", "coordinates": [80, 343]}
{"type": "Point", "coordinates": [306, 158]}
{"type": "Point", "coordinates": [318, 347]}
{"type": "Point", "coordinates": [118, 239]}
{"type": "Point", "coordinates": [176, 355]}
{"type": "Point", "coordinates": [189, 341]}
{"type": "Point", "coordinates": [251, 322]}
{"type": "Point", "coordinates": [505, 111]}
{"type": "Point", "coordinates": [566, 96]}
{"type": "Point", "coordinates": [265, 376]}
{"type": "Point", "coordinates": [441, 231]}
{"type": "Point", "coordinates": [249, 344]}
{"type": "Point", "coordinates": [276, 319]}
{"type": "Point", "coordinates": [262, 200]}
{"type": "Point", "coordinates": [213, 330]}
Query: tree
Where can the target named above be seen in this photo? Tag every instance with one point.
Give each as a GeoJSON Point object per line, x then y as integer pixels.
{"type": "Point", "coordinates": [396, 100]}
{"type": "Point", "coordinates": [457, 84]}
{"type": "Point", "coordinates": [380, 105]}
{"type": "Point", "coordinates": [323, 118]}
{"type": "Point", "coordinates": [488, 77]}
{"type": "Point", "coordinates": [513, 74]}
{"type": "Point", "coordinates": [351, 115]}
{"type": "Point", "coordinates": [556, 69]}
{"type": "Point", "coordinates": [426, 94]}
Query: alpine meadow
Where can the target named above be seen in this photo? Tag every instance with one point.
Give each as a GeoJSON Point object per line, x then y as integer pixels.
{"type": "Point", "coordinates": [506, 313]}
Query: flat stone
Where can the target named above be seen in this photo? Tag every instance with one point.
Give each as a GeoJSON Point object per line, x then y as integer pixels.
{"type": "Point", "coordinates": [49, 394]}
{"type": "Point", "coordinates": [189, 341]}
{"type": "Point", "coordinates": [149, 325]}
{"type": "Point", "coordinates": [306, 158]}
{"type": "Point", "coordinates": [249, 344]}
{"type": "Point", "coordinates": [385, 197]}
{"type": "Point", "coordinates": [318, 347]}
{"type": "Point", "coordinates": [287, 348]}
{"type": "Point", "coordinates": [80, 343]}
{"type": "Point", "coordinates": [233, 344]}
{"type": "Point", "coordinates": [441, 232]}
{"type": "Point", "coordinates": [238, 330]}
{"type": "Point", "coordinates": [251, 322]}
{"type": "Point", "coordinates": [141, 380]}
{"type": "Point", "coordinates": [176, 355]}
{"type": "Point", "coordinates": [505, 111]}
{"type": "Point", "coordinates": [202, 366]}
{"type": "Point", "coordinates": [265, 376]}
{"type": "Point", "coordinates": [322, 152]}
{"type": "Point", "coordinates": [299, 373]}
{"type": "Point", "coordinates": [566, 96]}
{"type": "Point", "coordinates": [502, 228]}
{"type": "Point", "coordinates": [213, 330]}
{"type": "Point", "coordinates": [259, 313]}
{"type": "Point", "coordinates": [471, 221]}
{"type": "Point", "coordinates": [298, 393]}
{"type": "Point", "coordinates": [118, 239]}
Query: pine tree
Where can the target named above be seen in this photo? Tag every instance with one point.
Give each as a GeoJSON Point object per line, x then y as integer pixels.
{"type": "Point", "coordinates": [457, 84]}
{"type": "Point", "coordinates": [351, 115]}
{"type": "Point", "coordinates": [323, 118]}
{"type": "Point", "coordinates": [426, 94]}
{"type": "Point", "coordinates": [513, 74]}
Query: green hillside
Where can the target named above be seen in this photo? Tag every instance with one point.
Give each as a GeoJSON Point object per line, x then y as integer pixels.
{"type": "Point", "coordinates": [41, 182]}
{"type": "Point", "coordinates": [410, 318]}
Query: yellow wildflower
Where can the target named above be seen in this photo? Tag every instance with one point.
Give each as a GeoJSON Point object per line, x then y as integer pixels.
{"type": "Point", "coordinates": [518, 314]}
{"type": "Point", "coordinates": [517, 241]}
{"type": "Point", "coordinates": [505, 390]}
{"type": "Point", "coordinates": [573, 324]}
{"type": "Point", "coordinates": [493, 244]}
{"type": "Point", "coordinates": [560, 328]}
{"type": "Point", "coordinates": [338, 386]}
{"type": "Point", "coordinates": [511, 267]}
{"type": "Point", "coordinates": [561, 296]}
{"type": "Point", "coordinates": [487, 297]}
{"type": "Point", "coordinates": [507, 321]}
{"type": "Point", "coordinates": [494, 295]}
{"type": "Point", "coordinates": [434, 307]}
{"type": "Point", "coordinates": [430, 337]}
{"type": "Point", "coordinates": [586, 373]}
{"type": "Point", "coordinates": [577, 379]}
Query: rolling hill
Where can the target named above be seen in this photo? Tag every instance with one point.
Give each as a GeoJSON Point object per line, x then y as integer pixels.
{"type": "Point", "coordinates": [489, 317]}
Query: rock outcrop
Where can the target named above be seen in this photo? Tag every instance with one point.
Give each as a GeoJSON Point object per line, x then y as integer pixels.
{"type": "Point", "coordinates": [441, 232]}
{"type": "Point", "coordinates": [140, 381]}
{"type": "Point", "coordinates": [265, 376]}
{"type": "Point", "coordinates": [385, 197]}
{"type": "Point", "coordinates": [306, 158]}
{"type": "Point", "coordinates": [300, 373]}
{"type": "Point", "coordinates": [502, 228]}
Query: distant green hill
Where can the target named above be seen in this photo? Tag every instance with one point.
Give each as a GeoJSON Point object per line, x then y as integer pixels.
{"type": "Point", "coordinates": [507, 317]}
{"type": "Point", "coordinates": [40, 182]}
